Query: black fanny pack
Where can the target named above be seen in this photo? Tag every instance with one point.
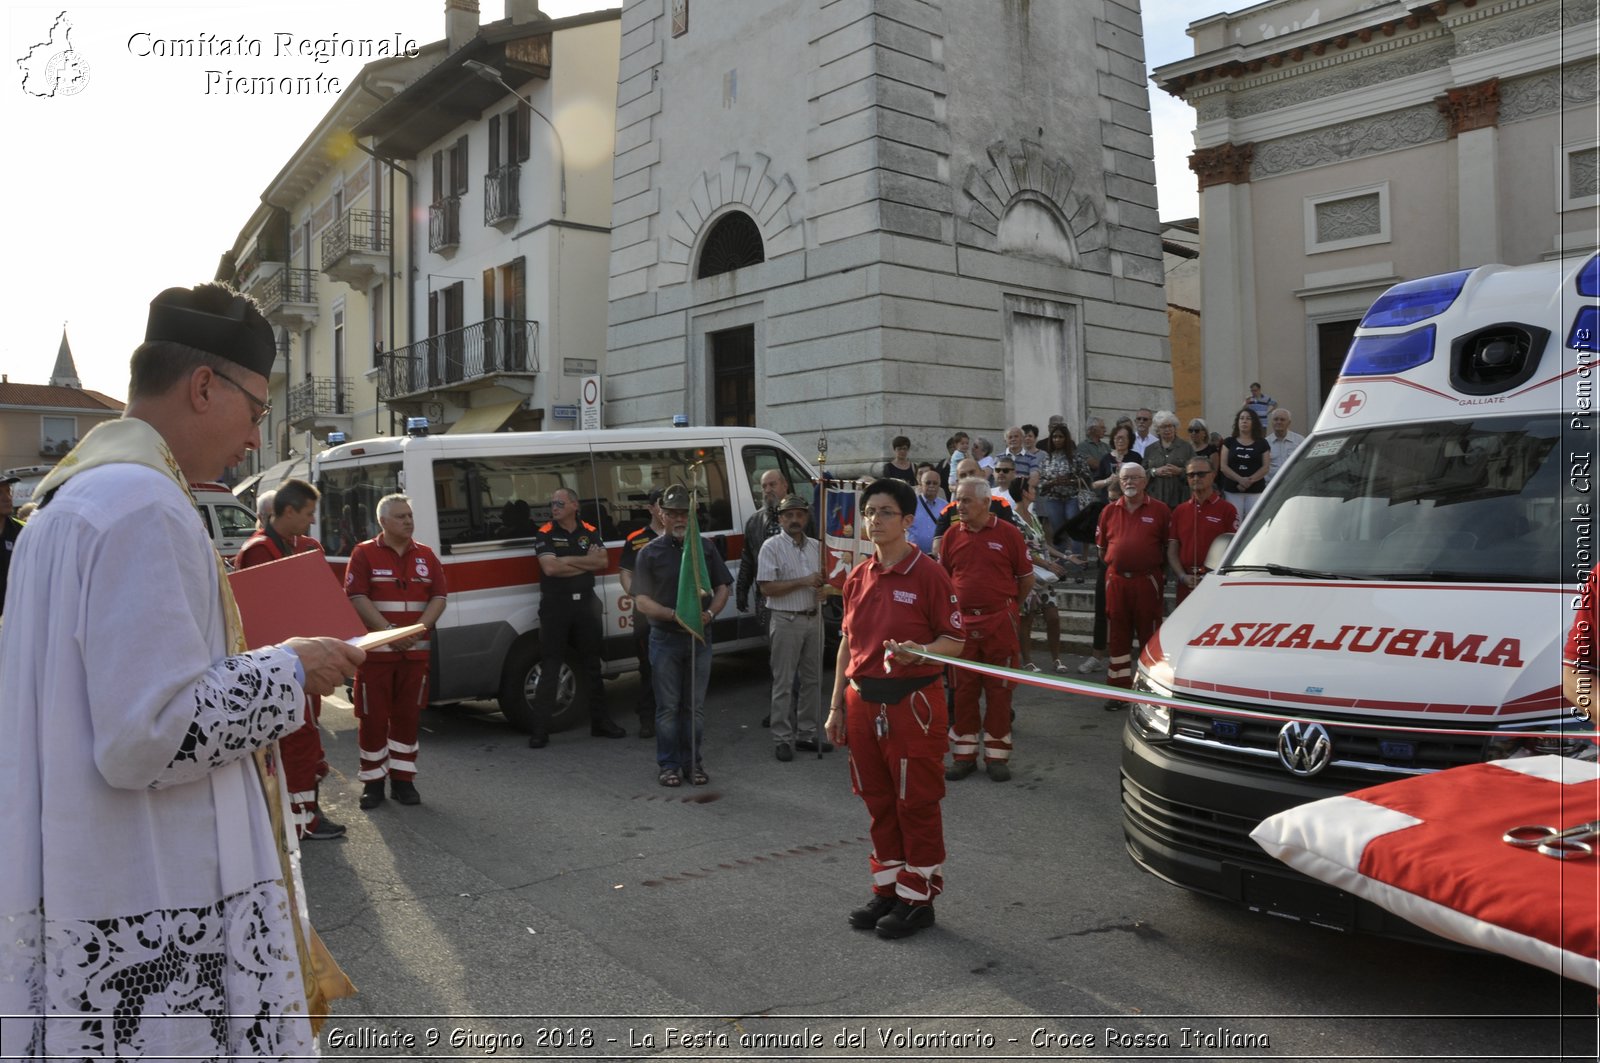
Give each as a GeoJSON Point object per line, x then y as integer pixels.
{"type": "Point", "coordinates": [883, 691]}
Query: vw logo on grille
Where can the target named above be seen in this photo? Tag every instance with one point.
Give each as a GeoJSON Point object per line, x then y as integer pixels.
{"type": "Point", "coordinates": [1304, 748]}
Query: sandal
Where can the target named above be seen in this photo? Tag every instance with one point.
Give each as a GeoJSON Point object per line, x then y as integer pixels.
{"type": "Point", "coordinates": [1062, 669]}
{"type": "Point", "coordinates": [699, 777]}
{"type": "Point", "coordinates": [669, 777]}
{"type": "Point", "coordinates": [1032, 667]}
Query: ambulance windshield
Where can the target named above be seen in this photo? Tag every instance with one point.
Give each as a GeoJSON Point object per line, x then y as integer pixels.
{"type": "Point", "coordinates": [1474, 500]}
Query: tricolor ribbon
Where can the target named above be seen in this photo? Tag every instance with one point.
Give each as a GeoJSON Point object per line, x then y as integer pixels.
{"type": "Point", "coordinates": [1103, 690]}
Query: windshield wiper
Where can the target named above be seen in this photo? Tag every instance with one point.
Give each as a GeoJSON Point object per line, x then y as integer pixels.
{"type": "Point", "coordinates": [1448, 576]}
{"type": "Point", "coordinates": [1287, 570]}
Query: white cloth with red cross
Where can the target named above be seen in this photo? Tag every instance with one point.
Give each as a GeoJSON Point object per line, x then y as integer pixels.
{"type": "Point", "coordinates": [1431, 850]}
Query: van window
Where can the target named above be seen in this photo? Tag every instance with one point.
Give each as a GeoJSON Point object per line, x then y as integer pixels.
{"type": "Point", "coordinates": [236, 522]}
{"type": "Point", "coordinates": [759, 457]}
{"type": "Point", "coordinates": [625, 478]}
{"type": "Point", "coordinates": [495, 499]}
{"type": "Point", "coordinates": [347, 513]}
{"type": "Point", "coordinates": [1475, 500]}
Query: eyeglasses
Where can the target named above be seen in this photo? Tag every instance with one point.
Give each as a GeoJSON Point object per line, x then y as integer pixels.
{"type": "Point", "coordinates": [1196, 475]}
{"type": "Point", "coordinates": [554, 502]}
{"type": "Point", "coordinates": [1192, 431]}
{"type": "Point", "coordinates": [266, 407]}
{"type": "Point", "coordinates": [1142, 420]}
{"type": "Point", "coordinates": [881, 514]}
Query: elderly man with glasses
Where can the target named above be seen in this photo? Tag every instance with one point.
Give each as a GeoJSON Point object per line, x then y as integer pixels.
{"type": "Point", "coordinates": [1132, 539]}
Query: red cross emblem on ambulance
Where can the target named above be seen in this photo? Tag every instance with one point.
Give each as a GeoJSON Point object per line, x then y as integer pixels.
{"type": "Point", "coordinates": [1350, 403]}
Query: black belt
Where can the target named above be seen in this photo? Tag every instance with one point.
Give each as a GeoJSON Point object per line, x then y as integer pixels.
{"type": "Point", "coordinates": [980, 610]}
{"type": "Point", "coordinates": [795, 612]}
{"type": "Point", "coordinates": [1135, 575]}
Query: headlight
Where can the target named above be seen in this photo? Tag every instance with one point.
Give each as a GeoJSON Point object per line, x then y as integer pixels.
{"type": "Point", "coordinates": [1155, 721]}
{"type": "Point", "coordinates": [1556, 742]}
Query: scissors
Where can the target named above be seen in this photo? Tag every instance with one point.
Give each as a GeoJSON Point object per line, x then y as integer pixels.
{"type": "Point", "coordinates": [1574, 843]}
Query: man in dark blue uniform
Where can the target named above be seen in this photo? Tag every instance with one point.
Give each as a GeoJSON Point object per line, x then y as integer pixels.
{"type": "Point", "coordinates": [641, 627]}
{"type": "Point", "coordinates": [570, 552]}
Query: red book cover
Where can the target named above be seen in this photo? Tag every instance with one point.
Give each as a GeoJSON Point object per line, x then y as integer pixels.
{"type": "Point", "coordinates": [295, 596]}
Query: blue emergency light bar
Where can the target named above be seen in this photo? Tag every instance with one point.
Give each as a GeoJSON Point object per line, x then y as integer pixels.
{"type": "Point", "coordinates": [1413, 301]}
{"type": "Point", "coordinates": [1589, 277]}
{"type": "Point", "coordinates": [1585, 334]}
{"type": "Point", "coordinates": [1382, 355]}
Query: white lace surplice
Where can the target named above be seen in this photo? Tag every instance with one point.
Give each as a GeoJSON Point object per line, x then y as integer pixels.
{"type": "Point", "coordinates": [140, 896]}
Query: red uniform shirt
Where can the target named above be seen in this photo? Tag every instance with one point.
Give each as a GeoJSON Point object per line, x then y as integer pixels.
{"type": "Point", "coordinates": [1194, 527]}
{"type": "Point", "coordinates": [260, 548]}
{"type": "Point", "coordinates": [1134, 540]}
{"type": "Point", "coordinates": [399, 585]}
{"type": "Point", "coordinates": [912, 602]}
{"type": "Point", "coordinates": [985, 564]}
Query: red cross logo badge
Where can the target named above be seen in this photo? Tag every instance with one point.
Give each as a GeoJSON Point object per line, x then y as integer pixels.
{"type": "Point", "coordinates": [1350, 404]}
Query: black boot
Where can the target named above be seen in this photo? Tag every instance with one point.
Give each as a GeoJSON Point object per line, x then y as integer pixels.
{"type": "Point", "coordinates": [372, 794]}
{"type": "Point", "coordinates": [905, 920]}
{"type": "Point", "coordinates": [878, 907]}
{"type": "Point", "coordinates": [405, 791]}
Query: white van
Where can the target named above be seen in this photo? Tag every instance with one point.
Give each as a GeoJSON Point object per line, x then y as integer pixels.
{"type": "Point", "coordinates": [1413, 565]}
{"type": "Point", "coordinates": [227, 520]}
{"type": "Point", "coordinates": [478, 500]}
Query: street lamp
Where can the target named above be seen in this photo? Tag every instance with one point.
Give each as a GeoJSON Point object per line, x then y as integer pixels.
{"type": "Point", "coordinates": [489, 73]}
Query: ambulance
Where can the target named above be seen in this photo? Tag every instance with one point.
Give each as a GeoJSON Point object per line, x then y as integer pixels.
{"type": "Point", "coordinates": [1413, 565]}
{"type": "Point", "coordinates": [478, 499]}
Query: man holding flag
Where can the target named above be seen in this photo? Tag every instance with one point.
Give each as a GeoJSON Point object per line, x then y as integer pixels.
{"type": "Point", "coordinates": [680, 584]}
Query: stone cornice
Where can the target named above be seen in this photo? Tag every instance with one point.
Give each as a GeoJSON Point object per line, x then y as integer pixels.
{"type": "Point", "coordinates": [1262, 62]}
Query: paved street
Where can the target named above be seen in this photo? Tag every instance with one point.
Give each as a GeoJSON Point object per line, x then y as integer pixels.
{"type": "Point", "coordinates": [565, 884]}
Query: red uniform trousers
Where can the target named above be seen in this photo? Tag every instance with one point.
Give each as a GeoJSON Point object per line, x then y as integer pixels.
{"type": "Point", "coordinates": [1133, 609]}
{"type": "Point", "coordinates": [304, 766]}
{"type": "Point", "coordinates": [390, 695]}
{"type": "Point", "coordinates": [991, 639]}
{"type": "Point", "coordinates": [900, 778]}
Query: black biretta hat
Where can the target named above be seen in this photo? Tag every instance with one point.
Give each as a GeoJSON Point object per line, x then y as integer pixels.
{"type": "Point", "coordinates": [234, 329]}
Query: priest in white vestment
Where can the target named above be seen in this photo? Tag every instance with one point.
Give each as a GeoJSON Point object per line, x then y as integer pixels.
{"type": "Point", "coordinates": [147, 903]}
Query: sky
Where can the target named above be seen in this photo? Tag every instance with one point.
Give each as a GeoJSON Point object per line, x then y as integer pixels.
{"type": "Point", "coordinates": [144, 177]}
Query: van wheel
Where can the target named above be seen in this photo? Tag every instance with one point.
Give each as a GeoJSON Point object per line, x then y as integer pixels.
{"type": "Point", "coordinates": [521, 679]}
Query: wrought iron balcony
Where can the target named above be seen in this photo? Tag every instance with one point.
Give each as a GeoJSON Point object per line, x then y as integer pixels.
{"type": "Point", "coordinates": [502, 200]}
{"type": "Point", "coordinates": [444, 224]}
{"type": "Point", "coordinates": [496, 345]}
{"type": "Point", "coordinates": [288, 298]}
{"type": "Point", "coordinates": [319, 396]}
{"type": "Point", "coordinates": [356, 247]}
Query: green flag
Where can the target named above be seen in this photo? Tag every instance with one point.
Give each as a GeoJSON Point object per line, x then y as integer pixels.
{"type": "Point", "coordinates": [694, 582]}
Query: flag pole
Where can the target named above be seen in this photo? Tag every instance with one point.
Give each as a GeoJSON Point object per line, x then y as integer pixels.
{"type": "Point", "coordinates": [819, 652]}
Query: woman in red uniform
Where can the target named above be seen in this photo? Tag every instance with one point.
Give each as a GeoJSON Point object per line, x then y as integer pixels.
{"type": "Point", "coordinates": [891, 714]}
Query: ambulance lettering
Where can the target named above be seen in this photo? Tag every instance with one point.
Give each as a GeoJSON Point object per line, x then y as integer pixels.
{"type": "Point", "coordinates": [1353, 638]}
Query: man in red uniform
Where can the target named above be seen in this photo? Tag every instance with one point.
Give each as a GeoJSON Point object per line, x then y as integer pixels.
{"type": "Point", "coordinates": [1132, 540]}
{"type": "Point", "coordinates": [898, 602]}
{"type": "Point", "coordinates": [393, 581]}
{"type": "Point", "coordinates": [1196, 523]}
{"type": "Point", "coordinates": [294, 505]}
{"type": "Point", "coordinates": [988, 562]}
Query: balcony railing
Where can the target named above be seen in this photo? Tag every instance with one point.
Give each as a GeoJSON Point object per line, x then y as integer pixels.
{"type": "Point", "coordinates": [501, 194]}
{"type": "Point", "coordinates": [444, 223]}
{"type": "Point", "coordinates": [318, 395]}
{"type": "Point", "coordinates": [355, 232]}
{"type": "Point", "coordinates": [285, 286]}
{"type": "Point", "coordinates": [494, 345]}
